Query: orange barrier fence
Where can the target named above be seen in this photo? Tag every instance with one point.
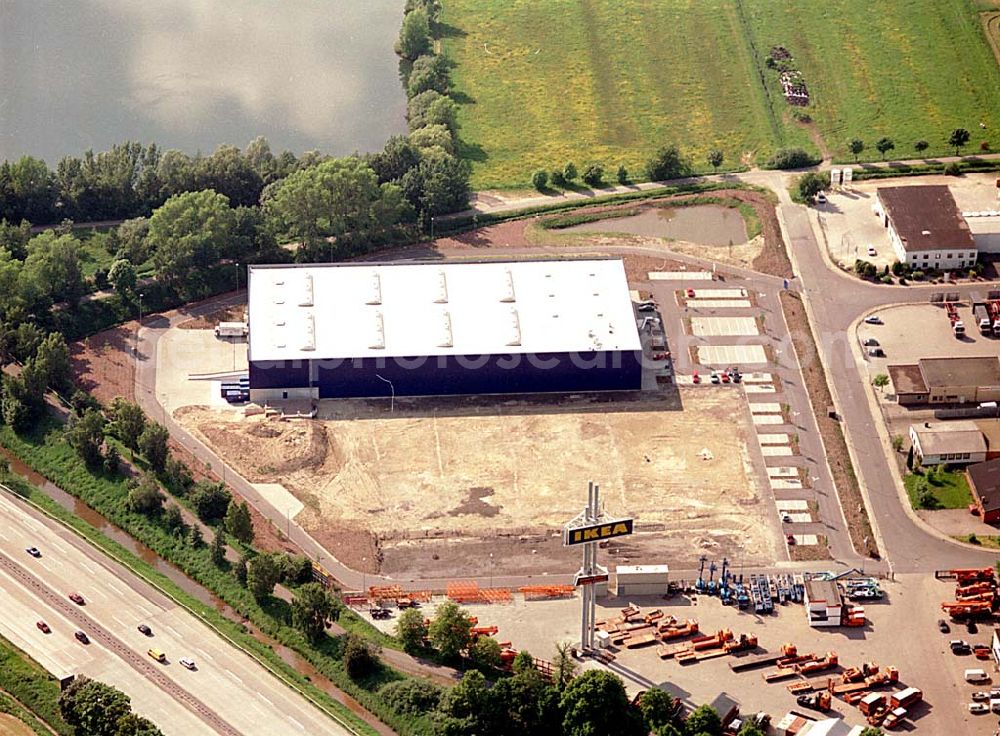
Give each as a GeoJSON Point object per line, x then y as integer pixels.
{"type": "Point", "coordinates": [542, 592]}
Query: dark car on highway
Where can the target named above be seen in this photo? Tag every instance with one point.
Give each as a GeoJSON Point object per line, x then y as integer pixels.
{"type": "Point", "coordinates": [43, 627]}
{"type": "Point", "coordinates": [33, 551]}
{"type": "Point", "coordinates": [77, 599]}
{"type": "Point", "coordinates": [145, 629]}
{"type": "Point", "coordinates": [81, 637]}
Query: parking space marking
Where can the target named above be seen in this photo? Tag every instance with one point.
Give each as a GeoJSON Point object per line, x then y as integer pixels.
{"type": "Point", "coordinates": [806, 540]}
{"type": "Point", "coordinates": [725, 355]}
{"type": "Point", "coordinates": [783, 472]}
{"type": "Point", "coordinates": [765, 407]}
{"type": "Point", "coordinates": [779, 438]}
{"type": "Point", "coordinates": [720, 293]}
{"type": "Point", "coordinates": [791, 505]}
{"type": "Point", "coordinates": [775, 451]}
{"type": "Point", "coordinates": [719, 303]}
{"type": "Point", "coordinates": [724, 326]}
{"type": "Point", "coordinates": [762, 388]}
{"type": "Point", "coordinates": [680, 275]}
{"type": "Point", "coordinates": [764, 419]}
{"type": "Point", "coordinates": [758, 378]}
{"type": "Point", "coordinates": [785, 484]}
{"type": "Point", "coordinates": [800, 518]}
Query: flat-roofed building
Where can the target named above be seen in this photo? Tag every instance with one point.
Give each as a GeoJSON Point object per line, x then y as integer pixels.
{"type": "Point", "coordinates": [951, 443]}
{"type": "Point", "coordinates": [926, 228]}
{"type": "Point", "coordinates": [824, 603]}
{"type": "Point", "coordinates": [946, 380]}
{"type": "Point", "coordinates": [425, 329]}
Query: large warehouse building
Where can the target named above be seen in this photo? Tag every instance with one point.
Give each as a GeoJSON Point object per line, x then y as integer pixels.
{"type": "Point", "coordinates": [427, 329]}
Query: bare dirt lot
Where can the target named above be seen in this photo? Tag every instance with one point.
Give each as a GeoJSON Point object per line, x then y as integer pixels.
{"type": "Point", "coordinates": [436, 484]}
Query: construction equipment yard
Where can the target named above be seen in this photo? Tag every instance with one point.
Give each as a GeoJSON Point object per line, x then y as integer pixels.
{"type": "Point", "coordinates": [437, 481]}
{"type": "Point", "coordinates": [900, 647]}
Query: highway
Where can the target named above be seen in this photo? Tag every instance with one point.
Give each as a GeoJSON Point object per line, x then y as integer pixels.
{"type": "Point", "coordinates": [229, 692]}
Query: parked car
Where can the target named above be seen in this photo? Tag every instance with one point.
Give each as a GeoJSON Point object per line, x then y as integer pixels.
{"type": "Point", "coordinates": [81, 637]}
{"type": "Point", "coordinates": [645, 307]}
{"type": "Point", "coordinates": [980, 695]}
{"type": "Point", "coordinates": [872, 251]}
{"type": "Point", "coordinates": [943, 626]}
{"type": "Point", "coordinates": [77, 599]}
{"type": "Point", "coordinates": [979, 708]}
{"type": "Point", "coordinates": [145, 629]}
{"type": "Point", "coordinates": [661, 356]}
{"type": "Point", "coordinates": [790, 538]}
{"type": "Point", "coordinates": [715, 377]}
{"type": "Point", "coordinates": [870, 342]}
{"type": "Point", "coordinates": [189, 663]}
{"type": "Point", "coordinates": [876, 353]}
{"type": "Point", "coordinates": [786, 519]}
{"type": "Point", "coordinates": [695, 378]}
{"type": "Point", "coordinates": [821, 198]}
{"type": "Point", "coordinates": [873, 319]}
{"type": "Point", "coordinates": [33, 551]}
{"type": "Point", "coordinates": [971, 627]}
{"type": "Point", "coordinates": [959, 646]}
{"type": "Point", "coordinates": [724, 376]}
{"type": "Point", "coordinates": [43, 627]}
{"type": "Point", "coordinates": [690, 293]}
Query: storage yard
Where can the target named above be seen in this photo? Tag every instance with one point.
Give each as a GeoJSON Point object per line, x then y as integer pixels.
{"type": "Point", "coordinates": [436, 472]}
{"type": "Point", "coordinates": [696, 648]}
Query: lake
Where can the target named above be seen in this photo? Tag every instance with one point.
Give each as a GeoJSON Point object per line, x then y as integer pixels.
{"type": "Point", "coordinates": [705, 224]}
{"type": "Point", "coordinates": [192, 74]}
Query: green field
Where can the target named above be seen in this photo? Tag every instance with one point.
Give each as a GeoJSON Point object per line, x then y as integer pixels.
{"type": "Point", "coordinates": [540, 84]}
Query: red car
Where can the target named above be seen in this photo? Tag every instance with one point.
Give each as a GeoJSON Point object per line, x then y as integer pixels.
{"type": "Point", "coordinates": [43, 627]}
{"type": "Point", "coordinates": [725, 377]}
{"type": "Point", "coordinates": [695, 378]}
{"type": "Point", "coordinates": [690, 293]}
{"type": "Point", "coordinates": [661, 356]}
{"type": "Point", "coordinates": [77, 599]}
{"type": "Point", "coordinates": [790, 539]}
{"type": "Point", "coordinates": [81, 637]}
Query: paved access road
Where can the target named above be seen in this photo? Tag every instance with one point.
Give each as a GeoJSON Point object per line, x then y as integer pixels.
{"type": "Point", "coordinates": [229, 692]}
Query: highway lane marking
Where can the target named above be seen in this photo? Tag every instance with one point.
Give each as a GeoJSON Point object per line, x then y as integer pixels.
{"type": "Point", "coordinates": [264, 698]}
{"type": "Point", "coordinates": [115, 588]}
{"type": "Point", "coordinates": [296, 723]}
{"type": "Point", "coordinates": [172, 630]}
{"type": "Point", "coordinates": [234, 676]}
{"type": "Point", "coordinates": [205, 654]}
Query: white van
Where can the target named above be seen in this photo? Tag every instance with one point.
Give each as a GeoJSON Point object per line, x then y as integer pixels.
{"type": "Point", "coordinates": [976, 675]}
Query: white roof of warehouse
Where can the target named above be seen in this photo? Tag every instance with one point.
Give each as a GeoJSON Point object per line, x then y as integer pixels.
{"type": "Point", "coordinates": [407, 310]}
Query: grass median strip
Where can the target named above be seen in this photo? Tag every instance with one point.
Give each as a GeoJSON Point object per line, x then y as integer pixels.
{"type": "Point", "coordinates": [838, 457]}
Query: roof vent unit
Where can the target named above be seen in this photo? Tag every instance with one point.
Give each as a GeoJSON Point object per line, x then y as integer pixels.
{"type": "Point", "coordinates": [375, 293]}
{"type": "Point", "coordinates": [309, 343]}
{"type": "Point", "coordinates": [447, 339]}
{"type": "Point", "coordinates": [515, 326]}
{"type": "Point", "coordinates": [378, 338]}
{"type": "Point", "coordinates": [442, 296]}
{"type": "Point", "coordinates": [279, 322]}
{"type": "Point", "coordinates": [925, 232]}
{"type": "Point", "coordinates": [307, 294]}
{"type": "Point", "coordinates": [507, 295]}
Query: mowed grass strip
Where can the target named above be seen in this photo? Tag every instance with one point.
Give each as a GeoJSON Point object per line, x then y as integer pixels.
{"type": "Point", "coordinates": [906, 69]}
{"type": "Point", "coordinates": [600, 81]}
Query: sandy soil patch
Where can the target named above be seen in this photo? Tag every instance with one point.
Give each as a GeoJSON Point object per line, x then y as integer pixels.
{"type": "Point", "coordinates": [232, 313]}
{"type": "Point", "coordinates": [11, 726]}
{"type": "Point", "coordinates": [513, 472]}
{"type": "Point", "coordinates": [104, 364]}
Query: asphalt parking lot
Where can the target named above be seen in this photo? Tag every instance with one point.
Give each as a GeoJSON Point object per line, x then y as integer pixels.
{"type": "Point", "coordinates": [903, 343]}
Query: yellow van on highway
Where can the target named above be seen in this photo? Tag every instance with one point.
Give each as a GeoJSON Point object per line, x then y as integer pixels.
{"type": "Point", "coordinates": [157, 655]}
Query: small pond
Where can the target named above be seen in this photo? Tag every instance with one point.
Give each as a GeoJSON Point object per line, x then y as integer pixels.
{"type": "Point", "coordinates": [708, 224]}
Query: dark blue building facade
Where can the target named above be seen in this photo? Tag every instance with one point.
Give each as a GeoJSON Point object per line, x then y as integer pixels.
{"type": "Point", "coordinates": [451, 374]}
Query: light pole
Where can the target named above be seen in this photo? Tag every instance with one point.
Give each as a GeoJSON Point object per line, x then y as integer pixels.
{"type": "Point", "coordinates": [392, 389]}
{"type": "Point", "coordinates": [288, 523]}
{"type": "Point", "coordinates": [491, 569]}
{"type": "Point", "coordinates": [137, 328]}
{"type": "Point", "coordinates": [237, 275]}
{"type": "Point", "coordinates": [364, 576]}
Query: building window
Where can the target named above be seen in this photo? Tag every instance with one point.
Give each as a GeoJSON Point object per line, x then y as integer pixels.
{"type": "Point", "coordinates": [937, 256]}
{"type": "Point", "coordinates": [926, 256]}
{"type": "Point", "coordinates": [948, 256]}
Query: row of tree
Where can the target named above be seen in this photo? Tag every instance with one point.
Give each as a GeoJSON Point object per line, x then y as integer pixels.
{"type": "Point", "coordinates": [957, 139]}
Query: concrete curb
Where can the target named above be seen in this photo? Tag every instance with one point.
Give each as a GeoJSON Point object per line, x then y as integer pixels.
{"type": "Point", "coordinates": [883, 431]}
{"type": "Point", "coordinates": [222, 635]}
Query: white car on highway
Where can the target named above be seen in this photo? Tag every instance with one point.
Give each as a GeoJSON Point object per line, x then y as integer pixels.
{"type": "Point", "coordinates": [189, 663]}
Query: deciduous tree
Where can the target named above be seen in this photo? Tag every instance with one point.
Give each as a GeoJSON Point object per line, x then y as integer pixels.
{"type": "Point", "coordinates": [145, 496]}
{"type": "Point", "coordinates": [958, 139]}
{"type": "Point", "coordinates": [414, 35]}
{"type": "Point", "coordinates": [262, 576]}
{"type": "Point", "coordinates": [128, 422]}
{"type": "Point", "coordinates": [153, 445]}
{"type": "Point", "coordinates": [450, 630]}
{"type": "Point", "coordinates": [312, 607]}
{"type": "Point", "coordinates": [359, 660]}
{"type": "Point", "coordinates": [595, 703]}
{"type": "Point", "coordinates": [485, 652]}
{"type": "Point", "coordinates": [86, 436]}
{"type": "Point", "coordinates": [715, 158]}
{"type": "Point", "coordinates": [217, 549]}
{"type": "Point", "coordinates": [238, 521]}
{"type": "Point", "coordinates": [883, 146]}
{"type": "Point", "coordinates": [856, 146]}
{"type": "Point", "coordinates": [704, 720]}
{"type": "Point", "coordinates": [210, 500]}
{"type": "Point", "coordinates": [921, 146]}
{"type": "Point", "coordinates": [411, 630]}
{"type": "Point", "coordinates": [92, 707]}
{"type": "Point", "coordinates": [667, 163]}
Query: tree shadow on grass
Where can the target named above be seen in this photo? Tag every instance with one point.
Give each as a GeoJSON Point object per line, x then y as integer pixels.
{"type": "Point", "coordinates": [471, 151]}
{"type": "Point", "coordinates": [446, 30]}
